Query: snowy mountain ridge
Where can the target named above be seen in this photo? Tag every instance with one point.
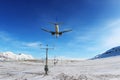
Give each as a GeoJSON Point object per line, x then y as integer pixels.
{"type": "Point", "coordinates": [109, 53]}
{"type": "Point", "coordinates": [12, 56]}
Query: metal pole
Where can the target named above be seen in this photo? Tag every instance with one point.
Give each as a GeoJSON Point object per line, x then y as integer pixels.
{"type": "Point", "coordinates": [46, 65]}
{"type": "Point", "coordinates": [46, 59]}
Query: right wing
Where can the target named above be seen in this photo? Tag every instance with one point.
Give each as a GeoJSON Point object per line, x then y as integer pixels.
{"type": "Point", "coordinates": [65, 31]}
{"type": "Point", "coordinates": [60, 33]}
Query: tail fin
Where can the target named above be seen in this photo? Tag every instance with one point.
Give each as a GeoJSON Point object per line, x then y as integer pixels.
{"type": "Point", "coordinates": [56, 22]}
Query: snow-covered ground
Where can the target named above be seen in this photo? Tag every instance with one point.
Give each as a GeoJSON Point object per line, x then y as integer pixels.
{"type": "Point", "coordinates": [6, 56]}
{"type": "Point", "coordinates": [99, 69]}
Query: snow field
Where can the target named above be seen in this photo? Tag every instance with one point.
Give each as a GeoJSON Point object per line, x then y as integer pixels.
{"type": "Point", "coordinates": [99, 69]}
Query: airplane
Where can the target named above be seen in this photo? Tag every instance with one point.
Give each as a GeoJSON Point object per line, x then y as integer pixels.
{"type": "Point", "coordinates": [57, 33]}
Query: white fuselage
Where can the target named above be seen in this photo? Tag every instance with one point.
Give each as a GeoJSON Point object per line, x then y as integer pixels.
{"type": "Point", "coordinates": [56, 30]}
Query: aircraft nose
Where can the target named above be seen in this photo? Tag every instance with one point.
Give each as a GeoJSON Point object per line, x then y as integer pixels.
{"type": "Point", "coordinates": [57, 36]}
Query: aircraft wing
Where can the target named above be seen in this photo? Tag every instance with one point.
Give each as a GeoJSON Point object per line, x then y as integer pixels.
{"type": "Point", "coordinates": [65, 31]}
{"type": "Point", "coordinates": [48, 31]}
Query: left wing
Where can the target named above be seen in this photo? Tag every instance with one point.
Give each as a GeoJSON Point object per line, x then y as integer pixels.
{"type": "Point", "coordinates": [52, 32]}
{"type": "Point", "coordinates": [46, 30]}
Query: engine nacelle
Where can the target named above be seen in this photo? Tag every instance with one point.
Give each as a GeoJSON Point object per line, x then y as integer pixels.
{"type": "Point", "coordinates": [60, 34]}
{"type": "Point", "coordinates": [53, 33]}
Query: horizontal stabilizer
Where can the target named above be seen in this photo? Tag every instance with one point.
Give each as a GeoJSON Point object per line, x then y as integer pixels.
{"type": "Point", "coordinates": [54, 23]}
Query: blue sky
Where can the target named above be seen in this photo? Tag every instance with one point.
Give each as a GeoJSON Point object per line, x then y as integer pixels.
{"type": "Point", "coordinates": [95, 24]}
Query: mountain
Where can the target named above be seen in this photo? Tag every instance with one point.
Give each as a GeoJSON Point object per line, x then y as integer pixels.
{"type": "Point", "coordinates": [109, 53]}
{"type": "Point", "coordinates": [13, 56]}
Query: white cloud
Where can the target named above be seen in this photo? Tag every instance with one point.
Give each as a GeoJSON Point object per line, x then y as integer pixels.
{"type": "Point", "coordinates": [83, 38]}
{"type": "Point", "coordinates": [106, 37]}
{"type": "Point", "coordinates": [98, 40]}
{"type": "Point", "coordinates": [32, 44]}
{"type": "Point", "coordinates": [4, 36]}
{"type": "Point", "coordinates": [112, 34]}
